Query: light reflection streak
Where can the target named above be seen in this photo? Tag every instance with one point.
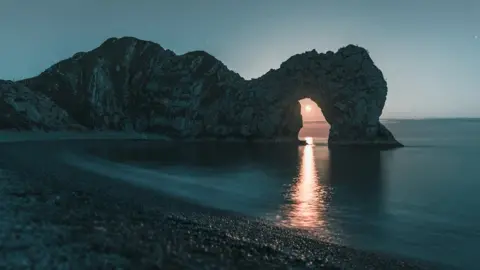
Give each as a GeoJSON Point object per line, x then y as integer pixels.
{"type": "Point", "coordinates": [306, 193]}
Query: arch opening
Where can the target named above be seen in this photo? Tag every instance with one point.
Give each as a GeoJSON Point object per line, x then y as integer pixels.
{"type": "Point", "coordinates": [314, 125]}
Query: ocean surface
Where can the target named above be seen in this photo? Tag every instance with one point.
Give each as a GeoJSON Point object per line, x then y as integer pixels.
{"type": "Point", "coordinates": [421, 201]}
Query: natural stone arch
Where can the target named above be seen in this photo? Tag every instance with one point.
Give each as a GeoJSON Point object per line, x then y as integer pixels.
{"type": "Point", "coordinates": [132, 84]}
{"type": "Point", "coordinates": [347, 86]}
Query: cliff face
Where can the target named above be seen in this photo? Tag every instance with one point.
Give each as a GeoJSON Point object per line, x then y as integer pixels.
{"type": "Point", "coordinates": [135, 85]}
{"type": "Point", "coordinates": [23, 109]}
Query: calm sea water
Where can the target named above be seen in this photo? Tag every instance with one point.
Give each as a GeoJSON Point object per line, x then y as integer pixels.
{"type": "Point", "coordinates": [421, 201]}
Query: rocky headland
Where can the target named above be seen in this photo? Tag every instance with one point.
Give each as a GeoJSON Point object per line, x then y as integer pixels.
{"type": "Point", "coordinates": [127, 84]}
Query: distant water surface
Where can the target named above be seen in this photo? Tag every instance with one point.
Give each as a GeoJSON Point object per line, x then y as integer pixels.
{"type": "Point", "coordinates": [421, 201]}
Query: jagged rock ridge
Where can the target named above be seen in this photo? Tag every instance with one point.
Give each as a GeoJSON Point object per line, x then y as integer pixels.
{"type": "Point", "coordinates": [135, 85]}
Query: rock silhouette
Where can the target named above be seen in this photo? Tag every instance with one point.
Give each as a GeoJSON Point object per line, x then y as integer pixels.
{"type": "Point", "coordinates": [128, 84]}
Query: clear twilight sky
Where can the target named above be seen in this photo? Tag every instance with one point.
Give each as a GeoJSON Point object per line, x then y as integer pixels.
{"type": "Point", "coordinates": [428, 50]}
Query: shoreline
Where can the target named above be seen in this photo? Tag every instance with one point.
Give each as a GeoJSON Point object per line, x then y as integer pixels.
{"type": "Point", "coordinates": [114, 224]}
{"type": "Point", "coordinates": [32, 136]}
{"type": "Point", "coordinates": [20, 136]}
{"type": "Point", "coordinates": [29, 136]}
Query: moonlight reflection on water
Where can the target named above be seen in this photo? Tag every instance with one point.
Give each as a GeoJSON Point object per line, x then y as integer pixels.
{"type": "Point", "coordinates": [307, 204]}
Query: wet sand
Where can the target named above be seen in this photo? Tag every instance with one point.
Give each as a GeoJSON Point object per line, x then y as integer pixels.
{"type": "Point", "coordinates": [65, 218]}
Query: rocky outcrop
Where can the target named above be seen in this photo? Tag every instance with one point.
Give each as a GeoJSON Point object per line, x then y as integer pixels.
{"type": "Point", "coordinates": [23, 109]}
{"type": "Point", "coordinates": [135, 85]}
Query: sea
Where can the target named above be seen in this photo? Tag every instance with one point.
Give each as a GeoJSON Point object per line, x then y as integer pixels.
{"type": "Point", "coordinates": [421, 201]}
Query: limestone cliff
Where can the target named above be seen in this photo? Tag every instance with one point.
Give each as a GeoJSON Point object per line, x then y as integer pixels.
{"type": "Point", "coordinates": [135, 85]}
{"type": "Point", "coordinates": [23, 109]}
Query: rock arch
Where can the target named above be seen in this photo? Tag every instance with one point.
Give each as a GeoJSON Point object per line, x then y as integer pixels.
{"type": "Point", "coordinates": [136, 85]}
{"type": "Point", "coordinates": [350, 90]}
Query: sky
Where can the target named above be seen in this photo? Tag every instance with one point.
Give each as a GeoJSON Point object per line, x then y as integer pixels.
{"type": "Point", "coordinates": [427, 49]}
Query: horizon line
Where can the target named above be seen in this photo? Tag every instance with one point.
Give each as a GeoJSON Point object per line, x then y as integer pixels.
{"type": "Point", "coordinates": [412, 118]}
